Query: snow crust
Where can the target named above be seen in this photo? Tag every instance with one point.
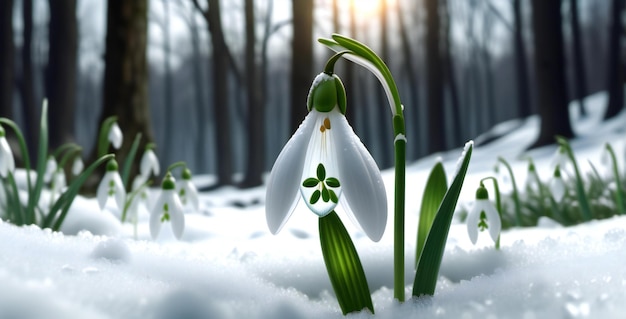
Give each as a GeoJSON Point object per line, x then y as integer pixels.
{"type": "Point", "coordinates": [228, 265]}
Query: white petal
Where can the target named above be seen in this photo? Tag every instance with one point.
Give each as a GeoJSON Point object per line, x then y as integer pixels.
{"type": "Point", "coordinates": [120, 191]}
{"type": "Point", "coordinates": [155, 216]}
{"type": "Point", "coordinates": [115, 136]}
{"type": "Point", "coordinates": [149, 163]}
{"type": "Point", "coordinates": [191, 192]}
{"type": "Point", "coordinates": [360, 178]}
{"type": "Point", "coordinates": [472, 220]}
{"type": "Point", "coordinates": [77, 166]}
{"type": "Point", "coordinates": [557, 188]}
{"type": "Point", "coordinates": [103, 190]}
{"type": "Point", "coordinates": [283, 183]}
{"type": "Point", "coordinates": [7, 162]}
{"type": "Point", "coordinates": [51, 167]}
{"type": "Point", "coordinates": [177, 218]}
{"type": "Point", "coordinates": [493, 220]}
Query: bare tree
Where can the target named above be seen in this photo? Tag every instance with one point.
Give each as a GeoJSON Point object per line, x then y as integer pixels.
{"type": "Point", "coordinates": [27, 91]}
{"type": "Point", "coordinates": [615, 79]}
{"type": "Point", "coordinates": [450, 79]}
{"type": "Point", "coordinates": [301, 59]}
{"type": "Point", "coordinates": [168, 93]}
{"type": "Point", "coordinates": [436, 128]}
{"type": "Point", "coordinates": [550, 71]}
{"type": "Point", "coordinates": [521, 66]}
{"type": "Point", "coordinates": [256, 110]}
{"type": "Point", "coordinates": [61, 70]}
{"type": "Point", "coordinates": [7, 49]}
{"type": "Point", "coordinates": [580, 80]}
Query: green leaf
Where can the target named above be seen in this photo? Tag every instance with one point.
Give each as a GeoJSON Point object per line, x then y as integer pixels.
{"type": "Point", "coordinates": [333, 196]}
{"type": "Point", "coordinates": [343, 266]}
{"type": "Point", "coordinates": [42, 157]}
{"type": "Point", "coordinates": [321, 172]}
{"type": "Point", "coordinates": [310, 182]}
{"type": "Point", "coordinates": [332, 182]}
{"type": "Point", "coordinates": [435, 190]}
{"type": "Point", "coordinates": [103, 136]}
{"type": "Point", "coordinates": [315, 197]}
{"type": "Point", "coordinates": [128, 162]}
{"type": "Point", "coordinates": [430, 260]}
{"type": "Point", "coordinates": [325, 194]}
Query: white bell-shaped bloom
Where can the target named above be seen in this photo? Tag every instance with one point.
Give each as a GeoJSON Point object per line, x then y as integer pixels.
{"type": "Point", "coordinates": [532, 179]}
{"type": "Point", "coordinates": [77, 166]}
{"type": "Point", "coordinates": [187, 191]}
{"type": "Point", "coordinates": [325, 162]}
{"type": "Point", "coordinates": [7, 162]}
{"type": "Point", "coordinates": [168, 209]}
{"type": "Point", "coordinates": [58, 183]}
{"type": "Point", "coordinates": [111, 186]}
{"type": "Point", "coordinates": [561, 159]}
{"type": "Point", "coordinates": [115, 136]}
{"type": "Point", "coordinates": [557, 185]}
{"type": "Point", "coordinates": [51, 168]}
{"type": "Point", "coordinates": [483, 215]}
{"type": "Point", "coordinates": [149, 163]}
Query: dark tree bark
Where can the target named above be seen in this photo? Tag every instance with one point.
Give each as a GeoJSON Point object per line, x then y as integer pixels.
{"type": "Point", "coordinates": [27, 90]}
{"type": "Point", "coordinates": [301, 59]}
{"type": "Point", "coordinates": [126, 72]}
{"type": "Point", "coordinates": [490, 117]}
{"type": "Point", "coordinates": [382, 109]}
{"type": "Point", "coordinates": [61, 71]}
{"type": "Point", "coordinates": [7, 51]}
{"type": "Point", "coordinates": [615, 81]}
{"type": "Point", "coordinates": [550, 71]}
{"type": "Point", "coordinates": [521, 66]}
{"type": "Point", "coordinates": [580, 80]}
{"type": "Point", "coordinates": [436, 123]}
{"type": "Point", "coordinates": [450, 79]}
{"type": "Point", "coordinates": [256, 111]}
{"type": "Point", "coordinates": [168, 93]}
{"type": "Point", "coordinates": [220, 67]}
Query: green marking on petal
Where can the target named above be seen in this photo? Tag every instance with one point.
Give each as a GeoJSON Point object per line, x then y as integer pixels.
{"type": "Point", "coordinates": [321, 172]}
{"type": "Point", "coordinates": [333, 196]}
{"type": "Point", "coordinates": [482, 224]}
{"type": "Point", "coordinates": [310, 182]}
{"type": "Point", "coordinates": [332, 182]}
{"type": "Point", "coordinates": [315, 197]}
{"type": "Point", "coordinates": [166, 208]}
{"type": "Point", "coordinates": [165, 217]}
{"type": "Point", "coordinates": [325, 194]}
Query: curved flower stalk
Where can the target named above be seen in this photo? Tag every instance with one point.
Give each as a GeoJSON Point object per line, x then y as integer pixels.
{"type": "Point", "coordinates": [580, 188]}
{"type": "Point", "coordinates": [7, 162]}
{"type": "Point", "coordinates": [516, 201]}
{"type": "Point", "coordinates": [325, 162]}
{"type": "Point", "coordinates": [149, 162]}
{"type": "Point", "coordinates": [483, 216]}
{"type": "Point", "coordinates": [111, 186]}
{"type": "Point", "coordinates": [168, 209]}
{"type": "Point", "coordinates": [187, 191]}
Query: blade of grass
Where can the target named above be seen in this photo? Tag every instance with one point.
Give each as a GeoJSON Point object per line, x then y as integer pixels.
{"type": "Point", "coordinates": [128, 162]}
{"type": "Point", "coordinates": [435, 190]}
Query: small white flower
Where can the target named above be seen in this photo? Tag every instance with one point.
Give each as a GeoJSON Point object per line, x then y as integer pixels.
{"type": "Point", "coordinates": [115, 136]}
{"type": "Point", "coordinates": [557, 186]}
{"type": "Point", "coordinates": [58, 182]}
{"type": "Point", "coordinates": [187, 191]}
{"type": "Point", "coordinates": [532, 179]}
{"type": "Point", "coordinates": [168, 208]}
{"type": "Point", "coordinates": [77, 166]}
{"type": "Point", "coordinates": [111, 186]}
{"type": "Point", "coordinates": [51, 168]}
{"type": "Point", "coordinates": [561, 159]}
{"type": "Point", "coordinates": [149, 163]}
{"type": "Point", "coordinates": [140, 197]}
{"type": "Point", "coordinates": [325, 162]}
{"type": "Point", "coordinates": [7, 162]}
{"type": "Point", "coordinates": [484, 216]}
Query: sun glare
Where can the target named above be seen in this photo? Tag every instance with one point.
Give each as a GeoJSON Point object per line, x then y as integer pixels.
{"type": "Point", "coordinates": [367, 8]}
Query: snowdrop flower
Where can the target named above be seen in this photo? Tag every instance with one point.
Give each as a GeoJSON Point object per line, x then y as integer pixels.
{"type": "Point", "coordinates": [324, 162]}
{"type": "Point", "coordinates": [77, 166]}
{"type": "Point", "coordinates": [7, 162]}
{"type": "Point", "coordinates": [483, 216]}
{"type": "Point", "coordinates": [149, 162]}
{"type": "Point", "coordinates": [560, 158]}
{"type": "Point", "coordinates": [115, 136]}
{"type": "Point", "coordinates": [111, 186]}
{"type": "Point", "coordinates": [532, 181]}
{"type": "Point", "coordinates": [557, 186]}
{"type": "Point", "coordinates": [187, 191]}
{"type": "Point", "coordinates": [168, 208]}
{"type": "Point", "coordinates": [51, 168]}
{"type": "Point", "coordinates": [58, 182]}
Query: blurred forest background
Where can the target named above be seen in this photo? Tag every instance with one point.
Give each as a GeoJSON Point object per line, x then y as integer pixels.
{"type": "Point", "coordinates": [222, 85]}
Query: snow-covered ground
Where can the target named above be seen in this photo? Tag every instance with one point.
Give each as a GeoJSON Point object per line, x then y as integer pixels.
{"type": "Point", "coordinates": [228, 265]}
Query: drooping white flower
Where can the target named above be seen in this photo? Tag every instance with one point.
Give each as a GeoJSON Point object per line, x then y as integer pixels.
{"type": "Point", "coordinates": [557, 186]}
{"type": "Point", "coordinates": [58, 183]}
{"type": "Point", "coordinates": [187, 191]}
{"type": "Point", "coordinates": [324, 162]}
{"type": "Point", "coordinates": [483, 216]}
{"type": "Point", "coordinates": [532, 180]}
{"type": "Point", "coordinates": [168, 209]}
{"type": "Point", "coordinates": [111, 186]}
{"type": "Point", "coordinates": [561, 159]}
{"type": "Point", "coordinates": [149, 162]}
{"type": "Point", "coordinates": [77, 166]}
{"type": "Point", "coordinates": [51, 168]}
{"type": "Point", "coordinates": [139, 199]}
{"type": "Point", "coordinates": [7, 162]}
{"type": "Point", "coordinates": [115, 136]}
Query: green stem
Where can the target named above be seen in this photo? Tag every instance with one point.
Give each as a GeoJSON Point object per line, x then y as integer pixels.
{"type": "Point", "coordinates": [23, 148]}
{"type": "Point", "coordinates": [399, 199]}
{"type": "Point", "coordinates": [619, 197]}
{"type": "Point", "coordinates": [580, 188]}
{"type": "Point", "coordinates": [516, 202]}
{"type": "Point", "coordinates": [498, 202]}
{"type": "Point", "coordinates": [175, 165]}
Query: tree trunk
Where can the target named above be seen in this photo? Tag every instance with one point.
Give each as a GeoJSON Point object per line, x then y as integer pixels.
{"type": "Point", "coordinates": [436, 128]}
{"type": "Point", "coordinates": [61, 71]}
{"type": "Point", "coordinates": [615, 81]}
{"type": "Point", "coordinates": [126, 73]}
{"type": "Point", "coordinates": [550, 71]}
{"type": "Point", "coordinates": [168, 94]}
{"type": "Point", "coordinates": [521, 66]}
{"type": "Point", "coordinates": [7, 49]}
{"type": "Point", "coordinates": [256, 114]}
{"type": "Point", "coordinates": [450, 78]}
{"type": "Point", "coordinates": [201, 107]}
{"type": "Point", "coordinates": [382, 110]}
{"type": "Point", "coordinates": [301, 59]}
{"type": "Point", "coordinates": [490, 108]}
{"type": "Point", "coordinates": [580, 80]}
{"type": "Point", "coordinates": [27, 90]}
